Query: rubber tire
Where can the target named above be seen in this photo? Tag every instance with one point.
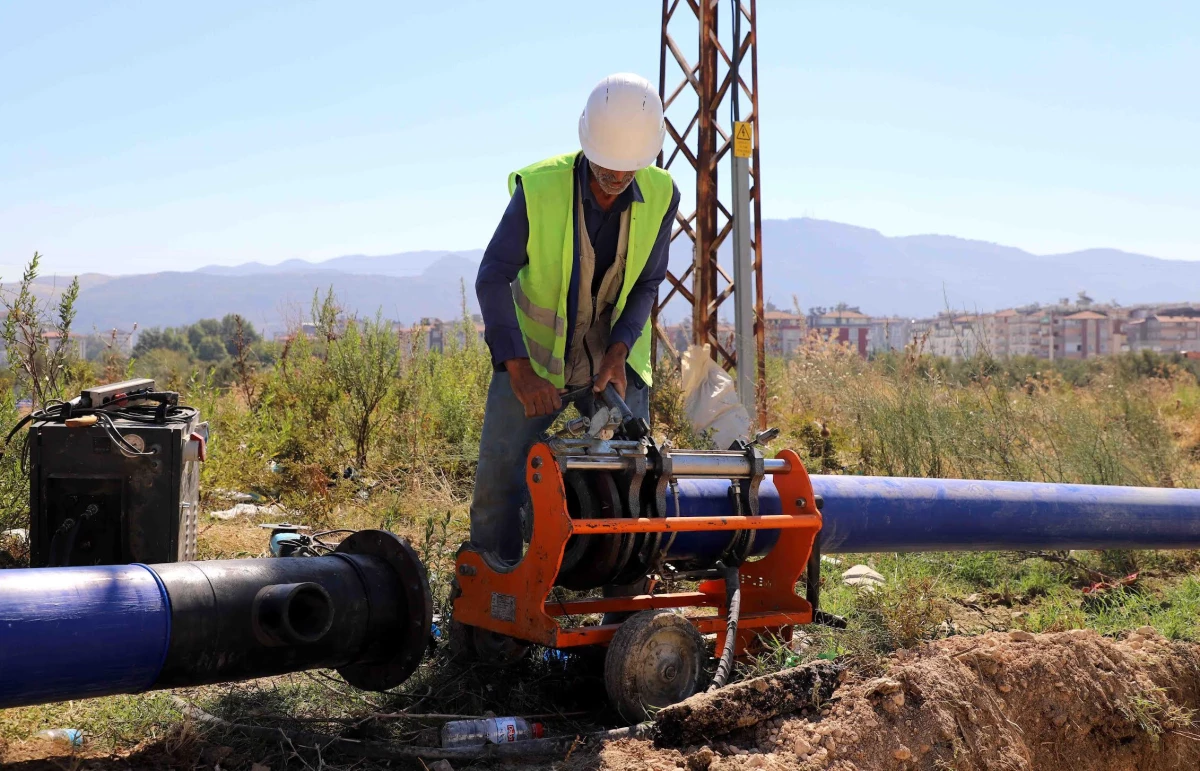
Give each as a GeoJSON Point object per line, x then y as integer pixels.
{"type": "Point", "coordinates": [644, 649]}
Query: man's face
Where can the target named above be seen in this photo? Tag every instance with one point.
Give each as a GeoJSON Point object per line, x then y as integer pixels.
{"type": "Point", "coordinates": [611, 182]}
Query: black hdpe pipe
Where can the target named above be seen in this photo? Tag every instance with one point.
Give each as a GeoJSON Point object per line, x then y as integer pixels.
{"type": "Point", "coordinates": [80, 632]}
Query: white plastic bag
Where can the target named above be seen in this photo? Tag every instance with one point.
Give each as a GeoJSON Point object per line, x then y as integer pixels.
{"type": "Point", "coordinates": [710, 398]}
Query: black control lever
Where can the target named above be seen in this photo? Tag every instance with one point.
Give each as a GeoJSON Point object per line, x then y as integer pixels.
{"type": "Point", "coordinates": [573, 396]}
{"type": "Point", "coordinates": [633, 428]}
{"type": "Point", "coordinates": [760, 439]}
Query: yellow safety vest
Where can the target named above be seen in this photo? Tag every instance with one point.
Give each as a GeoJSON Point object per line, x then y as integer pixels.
{"type": "Point", "coordinates": [540, 291]}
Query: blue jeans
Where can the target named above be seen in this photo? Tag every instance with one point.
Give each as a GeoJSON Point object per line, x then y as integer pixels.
{"type": "Point", "coordinates": [500, 488]}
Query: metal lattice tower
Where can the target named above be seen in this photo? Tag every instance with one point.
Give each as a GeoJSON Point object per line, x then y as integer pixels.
{"type": "Point", "coordinates": [701, 108]}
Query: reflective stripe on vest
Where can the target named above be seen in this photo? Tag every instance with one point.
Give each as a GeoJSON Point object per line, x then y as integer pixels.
{"type": "Point", "coordinates": [543, 356]}
{"type": "Point", "coordinates": [536, 313]}
{"type": "Point", "coordinates": [540, 291]}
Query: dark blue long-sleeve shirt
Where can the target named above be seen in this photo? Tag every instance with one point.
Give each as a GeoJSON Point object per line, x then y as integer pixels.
{"type": "Point", "coordinates": [506, 255]}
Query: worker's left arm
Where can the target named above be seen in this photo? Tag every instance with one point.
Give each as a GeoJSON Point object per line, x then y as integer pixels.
{"type": "Point", "coordinates": [639, 304]}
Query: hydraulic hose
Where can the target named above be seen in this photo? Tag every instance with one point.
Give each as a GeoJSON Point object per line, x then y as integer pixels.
{"type": "Point", "coordinates": [733, 597]}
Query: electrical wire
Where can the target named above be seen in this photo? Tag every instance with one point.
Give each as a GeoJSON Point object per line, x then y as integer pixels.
{"type": "Point", "coordinates": [165, 410]}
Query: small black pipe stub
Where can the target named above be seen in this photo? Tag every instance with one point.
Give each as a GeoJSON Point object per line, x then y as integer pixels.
{"type": "Point", "coordinates": [292, 614]}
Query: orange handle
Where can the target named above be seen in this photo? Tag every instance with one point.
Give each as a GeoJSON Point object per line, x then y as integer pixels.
{"type": "Point", "coordinates": [82, 421]}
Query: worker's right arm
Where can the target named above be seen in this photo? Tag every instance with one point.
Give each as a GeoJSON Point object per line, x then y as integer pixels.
{"type": "Point", "coordinates": [502, 260]}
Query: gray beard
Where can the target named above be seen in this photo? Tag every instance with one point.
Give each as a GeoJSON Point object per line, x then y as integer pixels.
{"type": "Point", "coordinates": [607, 190]}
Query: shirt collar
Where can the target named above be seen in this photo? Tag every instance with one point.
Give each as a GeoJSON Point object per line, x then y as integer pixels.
{"type": "Point", "coordinates": [631, 194]}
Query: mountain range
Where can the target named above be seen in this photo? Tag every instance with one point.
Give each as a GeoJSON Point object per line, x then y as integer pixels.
{"type": "Point", "coordinates": [807, 262]}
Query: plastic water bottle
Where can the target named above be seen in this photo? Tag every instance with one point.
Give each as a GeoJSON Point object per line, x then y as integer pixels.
{"type": "Point", "coordinates": [71, 736]}
{"type": "Point", "coordinates": [492, 730]}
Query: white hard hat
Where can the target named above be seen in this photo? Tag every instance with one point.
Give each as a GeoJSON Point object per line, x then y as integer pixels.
{"type": "Point", "coordinates": [622, 126]}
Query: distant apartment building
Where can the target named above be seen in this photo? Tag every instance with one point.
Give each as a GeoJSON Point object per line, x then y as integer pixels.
{"type": "Point", "coordinates": [1025, 331]}
{"type": "Point", "coordinates": [1087, 334]}
{"type": "Point", "coordinates": [1065, 330]}
{"type": "Point", "coordinates": [842, 324]}
{"type": "Point", "coordinates": [76, 344]}
{"type": "Point", "coordinates": [784, 332]}
{"type": "Point", "coordinates": [890, 333]}
{"type": "Point", "coordinates": [1072, 331]}
{"type": "Point", "coordinates": [1173, 330]}
{"type": "Point", "coordinates": [437, 333]}
{"type": "Point", "coordinates": [952, 336]}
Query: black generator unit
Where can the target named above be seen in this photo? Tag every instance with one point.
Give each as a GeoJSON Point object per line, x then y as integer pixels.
{"type": "Point", "coordinates": [114, 478]}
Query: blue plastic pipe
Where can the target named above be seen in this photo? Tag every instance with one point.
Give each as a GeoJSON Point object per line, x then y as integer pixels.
{"type": "Point", "coordinates": [896, 514]}
{"type": "Point", "coordinates": [697, 499]}
{"type": "Point", "coordinates": [71, 633]}
{"type": "Point", "coordinates": [866, 514]}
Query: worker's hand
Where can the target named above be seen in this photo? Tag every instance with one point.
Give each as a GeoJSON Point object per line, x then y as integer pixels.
{"type": "Point", "coordinates": [536, 394]}
{"type": "Point", "coordinates": [612, 369]}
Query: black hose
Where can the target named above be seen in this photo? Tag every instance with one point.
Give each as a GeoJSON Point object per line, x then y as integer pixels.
{"type": "Point", "coordinates": [812, 575]}
{"type": "Point", "coordinates": [733, 597]}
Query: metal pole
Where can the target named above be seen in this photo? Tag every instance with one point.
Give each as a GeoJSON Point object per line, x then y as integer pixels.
{"type": "Point", "coordinates": [698, 465]}
{"type": "Point", "coordinates": [743, 282]}
{"type": "Point", "coordinates": [743, 261]}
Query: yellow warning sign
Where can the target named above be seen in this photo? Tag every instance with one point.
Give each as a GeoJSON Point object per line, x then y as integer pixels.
{"type": "Point", "coordinates": [743, 140]}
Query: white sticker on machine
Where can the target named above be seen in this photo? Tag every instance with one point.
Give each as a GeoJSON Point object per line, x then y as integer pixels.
{"type": "Point", "coordinates": [504, 607]}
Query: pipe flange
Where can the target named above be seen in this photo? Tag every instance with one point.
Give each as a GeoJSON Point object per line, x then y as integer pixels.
{"type": "Point", "coordinates": [403, 655]}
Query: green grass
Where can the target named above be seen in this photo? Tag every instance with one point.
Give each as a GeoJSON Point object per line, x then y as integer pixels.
{"type": "Point", "coordinates": [925, 596]}
{"type": "Point", "coordinates": [108, 723]}
{"type": "Point", "coordinates": [931, 595]}
{"type": "Point", "coordinates": [1171, 607]}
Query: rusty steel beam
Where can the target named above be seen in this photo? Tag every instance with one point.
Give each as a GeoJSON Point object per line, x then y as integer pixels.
{"type": "Point", "coordinates": [697, 85]}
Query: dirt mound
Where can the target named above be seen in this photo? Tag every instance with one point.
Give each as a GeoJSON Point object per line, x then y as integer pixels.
{"type": "Point", "coordinates": [998, 701]}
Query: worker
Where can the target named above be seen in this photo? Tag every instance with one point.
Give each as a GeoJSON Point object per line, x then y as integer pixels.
{"type": "Point", "coordinates": [566, 287]}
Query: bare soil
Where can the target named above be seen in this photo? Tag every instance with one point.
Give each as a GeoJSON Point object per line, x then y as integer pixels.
{"type": "Point", "coordinates": [1009, 701]}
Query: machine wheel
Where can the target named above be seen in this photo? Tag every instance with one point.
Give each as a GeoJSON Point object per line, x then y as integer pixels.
{"type": "Point", "coordinates": [656, 659]}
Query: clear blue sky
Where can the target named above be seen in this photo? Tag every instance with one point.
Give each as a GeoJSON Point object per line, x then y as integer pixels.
{"type": "Point", "coordinates": [147, 135]}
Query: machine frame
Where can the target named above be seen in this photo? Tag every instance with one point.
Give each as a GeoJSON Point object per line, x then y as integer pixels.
{"type": "Point", "coordinates": [514, 601]}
